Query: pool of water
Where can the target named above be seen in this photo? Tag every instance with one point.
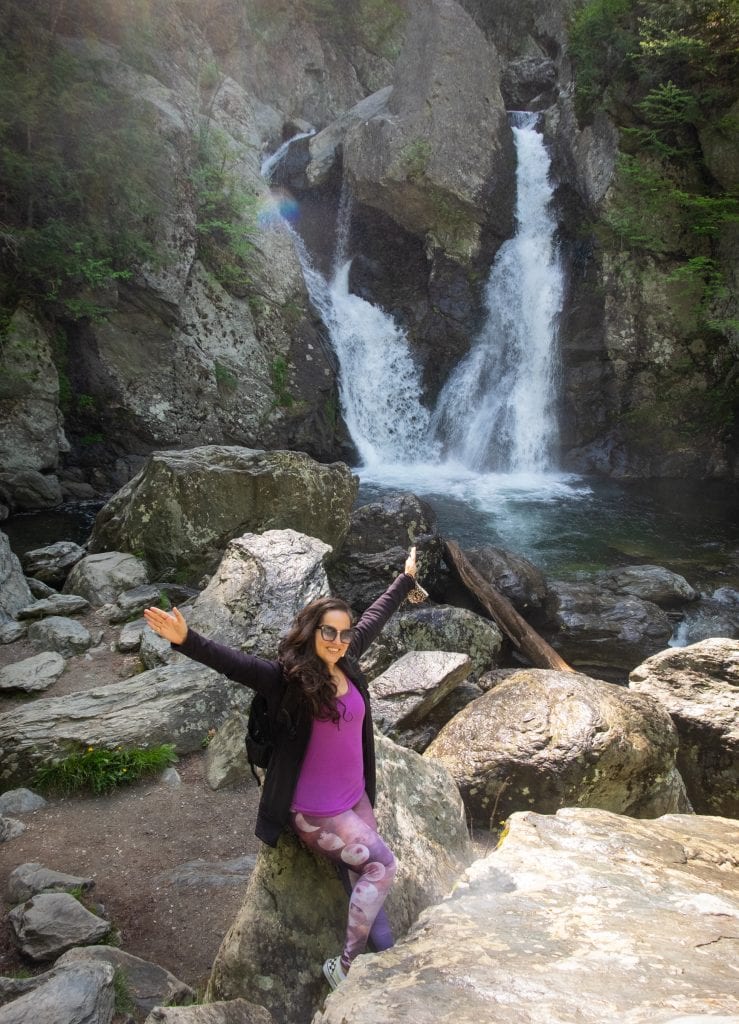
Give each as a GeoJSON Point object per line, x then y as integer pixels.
{"type": "Point", "coordinates": [569, 525]}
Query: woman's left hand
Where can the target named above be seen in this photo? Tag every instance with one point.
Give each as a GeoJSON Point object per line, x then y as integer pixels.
{"type": "Point", "coordinates": [410, 562]}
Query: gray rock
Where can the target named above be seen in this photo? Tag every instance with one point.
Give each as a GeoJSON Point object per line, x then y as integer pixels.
{"type": "Point", "coordinates": [592, 627]}
{"type": "Point", "coordinates": [418, 738]}
{"type": "Point", "coordinates": [261, 583]}
{"type": "Point", "coordinates": [174, 704]}
{"type": "Point", "coordinates": [542, 740]}
{"type": "Point", "coordinates": [324, 147]}
{"type": "Point", "coordinates": [52, 563]}
{"type": "Point", "coordinates": [417, 161]}
{"type": "Point", "coordinates": [14, 592]}
{"type": "Point", "coordinates": [299, 896]}
{"type": "Point", "coordinates": [405, 693]}
{"type": "Point", "coordinates": [10, 828]}
{"type": "Point", "coordinates": [360, 578]}
{"type": "Point", "coordinates": [20, 801]}
{"type": "Point", "coordinates": [211, 874]}
{"type": "Point", "coordinates": [171, 777]}
{"type": "Point", "coordinates": [708, 617]}
{"type": "Point", "coordinates": [234, 1011]}
{"type": "Point", "coordinates": [102, 577]}
{"type": "Point", "coordinates": [148, 984]}
{"type": "Point", "coordinates": [39, 589]}
{"type": "Point", "coordinates": [56, 633]}
{"type": "Point", "coordinates": [31, 431]}
{"type": "Point", "coordinates": [154, 650]}
{"type": "Point", "coordinates": [569, 890]}
{"type": "Point", "coordinates": [51, 923]}
{"type": "Point", "coordinates": [73, 994]}
{"type": "Point", "coordinates": [32, 674]}
{"type": "Point", "coordinates": [12, 631]}
{"type": "Point", "coordinates": [650, 583]}
{"type": "Point", "coordinates": [228, 491]}
{"type": "Point", "coordinates": [225, 758]}
{"type": "Point", "coordinates": [528, 83]}
{"type": "Point", "coordinates": [28, 880]}
{"type": "Point", "coordinates": [130, 637]}
{"type": "Point", "coordinates": [513, 575]}
{"type": "Point", "coordinates": [435, 628]}
{"type": "Point", "coordinates": [699, 686]}
{"type": "Point", "coordinates": [57, 604]}
{"type": "Point", "coordinates": [133, 601]}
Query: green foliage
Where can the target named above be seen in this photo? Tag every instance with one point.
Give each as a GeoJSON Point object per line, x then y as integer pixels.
{"type": "Point", "coordinates": [279, 370]}
{"type": "Point", "coordinates": [100, 769]}
{"type": "Point", "coordinates": [225, 378]}
{"type": "Point", "coordinates": [79, 163]}
{"type": "Point", "coordinates": [226, 210]}
{"type": "Point", "coordinates": [123, 997]}
{"type": "Point", "coordinates": [415, 158]}
{"type": "Point", "coordinates": [164, 602]}
{"type": "Point", "coordinates": [88, 440]}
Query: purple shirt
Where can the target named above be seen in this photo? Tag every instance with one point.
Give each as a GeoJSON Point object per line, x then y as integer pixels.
{"type": "Point", "coordinates": [332, 774]}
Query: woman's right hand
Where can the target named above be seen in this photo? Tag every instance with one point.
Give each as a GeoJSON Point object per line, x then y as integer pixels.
{"type": "Point", "coordinates": [171, 626]}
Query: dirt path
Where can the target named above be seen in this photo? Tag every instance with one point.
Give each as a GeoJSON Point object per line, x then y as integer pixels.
{"type": "Point", "coordinates": [131, 841]}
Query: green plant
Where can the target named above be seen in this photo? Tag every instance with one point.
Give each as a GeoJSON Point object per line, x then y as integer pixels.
{"type": "Point", "coordinates": [101, 769]}
{"type": "Point", "coordinates": [123, 996]}
{"type": "Point", "coordinates": [279, 371]}
{"type": "Point", "coordinates": [88, 440]}
{"type": "Point", "coordinates": [225, 378]}
{"type": "Point", "coordinates": [226, 209]}
{"type": "Point", "coordinates": [415, 158]}
{"type": "Point", "coordinates": [164, 602]}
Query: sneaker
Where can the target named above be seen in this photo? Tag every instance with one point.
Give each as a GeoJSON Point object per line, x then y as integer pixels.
{"type": "Point", "coordinates": [333, 971]}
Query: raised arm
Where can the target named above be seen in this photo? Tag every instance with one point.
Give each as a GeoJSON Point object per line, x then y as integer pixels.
{"type": "Point", "coordinates": [370, 624]}
{"type": "Point", "coordinates": [258, 673]}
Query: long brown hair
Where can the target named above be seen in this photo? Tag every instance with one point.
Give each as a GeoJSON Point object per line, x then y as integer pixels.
{"type": "Point", "coordinates": [300, 663]}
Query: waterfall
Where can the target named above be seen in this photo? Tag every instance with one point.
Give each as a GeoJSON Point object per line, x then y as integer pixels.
{"type": "Point", "coordinates": [497, 410]}
{"type": "Point", "coordinates": [270, 162]}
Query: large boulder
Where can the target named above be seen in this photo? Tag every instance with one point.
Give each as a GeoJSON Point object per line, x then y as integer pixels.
{"type": "Point", "coordinates": [417, 159]}
{"type": "Point", "coordinates": [513, 575]}
{"type": "Point", "coordinates": [584, 916]}
{"type": "Point", "coordinates": [30, 879]}
{"type": "Point", "coordinates": [173, 704]}
{"type": "Point", "coordinates": [55, 604]}
{"type": "Point", "coordinates": [14, 591]}
{"type": "Point", "coordinates": [232, 1011]}
{"type": "Point", "coordinates": [69, 994]}
{"type": "Point", "coordinates": [260, 585]}
{"type": "Point", "coordinates": [649, 582]}
{"type": "Point", "coordinates": [31, 433]}
{"type": "Point", "coordinates": [592, 627]}
{"type": "Point", "coordinates": [32, 674]}
{"type": "Point", "coordinates": [294, 911]}
{"type": "Point", "coordinates": [182, 509]}
{"type": "Point", "coordinates": [377, 544]}
{"type": "Point", "coordinates": [100, 578]}
{"type": "Point", "coordinates": [52, 563]}
{"type": "Point", "coordinates": [435, 628]}
{"type": "Point", "coordinates": [51, 923]}
{"type": "Point", "coordinates": [404, 695]}
{"type": "Point", "coordinates": [148, 984]}
{"type": "Point", "coordinates": [57, 633]}
{"type": "Point", "coordinates": [542, 740]}
{"type": "Point", "coordinates": [699, 686]}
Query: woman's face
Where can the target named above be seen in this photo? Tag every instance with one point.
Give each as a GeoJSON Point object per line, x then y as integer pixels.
{"type": "Point", "coordinates": [329, 651]}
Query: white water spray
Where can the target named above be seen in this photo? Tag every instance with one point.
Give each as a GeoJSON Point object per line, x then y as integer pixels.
{"type": "Point", "coordinates": [270, 162]}
{"type": "Point", "coordinates": [497, 410]}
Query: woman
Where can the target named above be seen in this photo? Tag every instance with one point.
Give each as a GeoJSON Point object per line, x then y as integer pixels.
{"type": "Point", "coordinates": [321, 777]}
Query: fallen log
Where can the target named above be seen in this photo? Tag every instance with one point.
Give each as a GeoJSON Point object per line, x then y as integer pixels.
{"type": "Point", "coordinates": [499, 608]}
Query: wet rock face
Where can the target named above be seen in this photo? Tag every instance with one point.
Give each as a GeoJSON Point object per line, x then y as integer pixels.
{"type": "Point", "coordinates": [569, 888]}
{"type": "Point", "coordinates": [699, 686]}
{"type": "Point", "coordinates": [545, 740]}
{"type": "Point", "coordinates": [181, 510]}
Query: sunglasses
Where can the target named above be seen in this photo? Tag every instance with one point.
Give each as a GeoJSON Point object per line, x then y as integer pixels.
{"type": "Point", "coordinates": [331, 633]}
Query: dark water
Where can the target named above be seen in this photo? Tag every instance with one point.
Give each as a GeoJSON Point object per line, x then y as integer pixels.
{"type": "Point", "coordinates": [572, 525]}
{"type": "Point", "coordinates": [37, 529]}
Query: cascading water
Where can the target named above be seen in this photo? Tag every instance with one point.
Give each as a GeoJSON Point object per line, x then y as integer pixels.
{"type": "Point", "coordinates": [497, 410]}
{"type": "Point", "coordinates": [269, 164]}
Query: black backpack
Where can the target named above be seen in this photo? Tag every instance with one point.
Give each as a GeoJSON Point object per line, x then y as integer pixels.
{"type": "Point", "coordinates": [261, 733]}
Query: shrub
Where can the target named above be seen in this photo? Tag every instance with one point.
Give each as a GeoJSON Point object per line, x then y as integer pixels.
{"type": "Point", "coordinates": [100, 769]}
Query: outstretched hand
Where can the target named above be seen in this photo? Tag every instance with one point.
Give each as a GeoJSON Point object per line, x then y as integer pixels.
{"type": "Point", "coordinates": [410, 562]}
{"type": "Point", "coordinates": [171, 626]}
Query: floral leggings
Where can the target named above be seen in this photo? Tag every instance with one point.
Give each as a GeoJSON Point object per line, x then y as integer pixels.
{"type": "Point", "coordinates": [350, 841]}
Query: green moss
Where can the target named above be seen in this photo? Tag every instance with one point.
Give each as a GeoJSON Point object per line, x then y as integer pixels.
{"type": "Point", "coordinates": [225, 378]}
{"type": "Point", "coordinates": [279, 373]}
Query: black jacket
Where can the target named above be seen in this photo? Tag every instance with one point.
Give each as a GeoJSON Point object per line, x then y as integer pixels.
{"type": "Point", "coordinates": [266, 677]}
